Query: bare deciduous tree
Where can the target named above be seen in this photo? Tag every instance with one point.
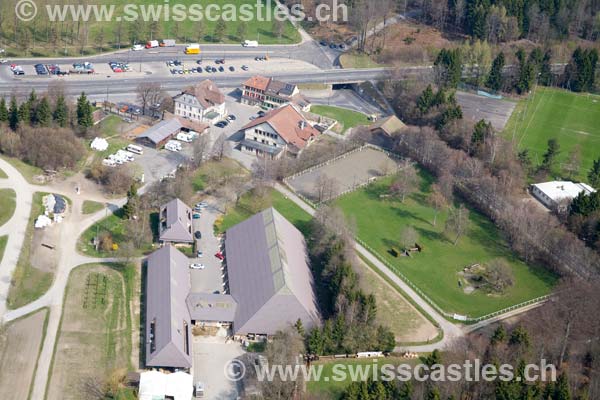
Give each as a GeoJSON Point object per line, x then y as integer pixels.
{"type": "Point", "coordinates": [406, 181]}
{"type": "Point", "coordinates": [457, 222]}
{"type": "Point", "coordinates": [149, 94]}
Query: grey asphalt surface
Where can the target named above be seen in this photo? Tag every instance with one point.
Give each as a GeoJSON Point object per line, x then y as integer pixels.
{"type": "Point", "coordinates": [99, 85]}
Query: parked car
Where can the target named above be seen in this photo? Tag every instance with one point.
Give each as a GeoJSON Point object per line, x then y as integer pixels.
{"type": "Point", "coordinates": [219, 255]}
{"type": "Point", "coordinates": [199, 62]}
{"type": "Point", "coordinates": [199, 390]}
{"type": "Point", "coordinates": [232, 68]}
{"type": "Point", "coordinates": [197, 266]}
{"type": "Point", "coordinates": [197, 235]}
{"type": "Point", "coordinates": [261, 113]}
{"type": "Point", "coordinates": [199, 254]}
{"type": "Point", "coordinates": [245, 67]}
{"type": "Point", "coordinates": [323, 43]}
{"type": "Point", "coordinates": [195, 216]}
{"type": "Point", "coordinates": [221, 69]}
{"type": "Point", "coordinates": [231, 117]}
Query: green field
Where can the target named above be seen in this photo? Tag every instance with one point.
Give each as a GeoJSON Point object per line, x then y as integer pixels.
{"type": "Point", "coordinates": [571, 118]}
{"type": "Point", "coordinates": [29, 283]}
{"type": "Point", "coordinates": [3, 241]}
{"type": "Point", "coordinates": [329, 386]}
{"type": "Point", "coordinates": [346, 118]}
{"type": "Point", "coordinates": [3, 175]}
{"type": "Point", "coordinates": [435, 270]}
{"type": "Point", "coordinates": [7, 205]}
{"type": "Point", "coordinates": [297, 216]}
{"type": "Point", "coordinates": [115, 224]}
{"type": "Point", "coordinates": [92, 37]}
{"type": "Point", "coordinates": [91, 207]}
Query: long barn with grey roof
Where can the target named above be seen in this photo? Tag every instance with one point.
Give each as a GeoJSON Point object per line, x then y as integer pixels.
{"type": "Point", "coordinates": [168, 336]}
{"type": "Point", "coordinates": [269, 275]}
{"type": "Point", "coordinates": [270, 288]}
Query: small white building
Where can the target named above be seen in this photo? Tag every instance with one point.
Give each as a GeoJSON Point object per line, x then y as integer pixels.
{"type": "Point", "coordinates": [555, 194]}
{"type": "Point", "coordinates": [203, 102]}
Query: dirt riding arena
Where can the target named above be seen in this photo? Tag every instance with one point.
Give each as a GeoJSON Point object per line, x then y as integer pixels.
{"type": "Point", "coordinates": [343, 174]}
{"type": "Point", "coordinates": [19, 348]}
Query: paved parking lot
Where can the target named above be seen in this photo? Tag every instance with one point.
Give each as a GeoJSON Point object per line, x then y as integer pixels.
{"type": "Point", "coordinates": [476, 107]}
{"type": "Point", "coordinates": [211, 355]}
{"type": "Point", "coordinates": [209, 279]}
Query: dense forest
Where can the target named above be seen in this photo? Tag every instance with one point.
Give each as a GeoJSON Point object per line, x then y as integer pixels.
{"type": "Point", "coordinates": [507, 20]}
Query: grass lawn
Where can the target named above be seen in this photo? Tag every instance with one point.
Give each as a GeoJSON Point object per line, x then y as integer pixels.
{"type": "Point", "coordinates": [297, 216]}
{"type": "Point", "coordinates": [7, 205]}
{"type": "Point", "coordinates": [91, 207]}
{"type": "Point", "coordinates": [115, 225]}
{"type": "Point", "coordinates": [29, 283]}
{"type": "Point", "coordinates": [95, 335]}
{"type": "Point", "coordinates": [183, 31]}
{"type": "Point", "coordinates": [356, 60]}
{"type": "Point", "coordinates": [333, 387]}
{"type": "Point", "coordinates": [3, 240]}
{"type": "Point", "coordinates": [346, 118]}
{"type": "Point", "coordinates": [435, 270]}
{"type": "Point", "coordinates": [571, 118]}
{"type": "Point", "coordinates": [3, 175]}
{"type": "Point", "coordinates": [28, 171]}
{"type": "Point", "coordinates": [214, 173]}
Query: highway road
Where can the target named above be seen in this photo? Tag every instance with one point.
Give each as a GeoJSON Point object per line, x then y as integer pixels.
{"type": "Point", "coordinates": [99, 85]}
{"type": "Point", "coordinates": [309, 51]}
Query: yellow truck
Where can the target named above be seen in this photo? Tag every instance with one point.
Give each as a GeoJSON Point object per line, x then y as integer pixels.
{"type": "Point", "coordinates": [193, 48]}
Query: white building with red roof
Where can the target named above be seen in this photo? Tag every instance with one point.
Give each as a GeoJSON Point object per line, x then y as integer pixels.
{"type": "Point", "coordinates": [280, 131]}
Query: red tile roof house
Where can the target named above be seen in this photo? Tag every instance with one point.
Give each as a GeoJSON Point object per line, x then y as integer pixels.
{"type": "Point", "coordinates": [269, 94]}
{"type": "Point", "coordinates": [281, 131]}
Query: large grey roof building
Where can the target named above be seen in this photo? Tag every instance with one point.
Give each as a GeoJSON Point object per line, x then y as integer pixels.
{"type": "Point", "coordinates": [175, 223]}
{"type": "Point", "coordinates": [168, 336]}
{"type": "Point", "coordinates": [269, 275]}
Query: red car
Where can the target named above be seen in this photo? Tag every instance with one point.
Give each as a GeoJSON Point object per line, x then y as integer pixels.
{"type": "Point", "coordinates": [219, 255]}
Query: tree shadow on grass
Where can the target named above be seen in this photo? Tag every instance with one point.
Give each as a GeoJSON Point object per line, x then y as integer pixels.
{"type": "Point", "coordinates": [431, 235]}
{"type": "Point", "coordinates": [409, 215]}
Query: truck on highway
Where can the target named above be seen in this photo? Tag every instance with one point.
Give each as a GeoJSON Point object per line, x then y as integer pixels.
{"type": "Point", "coordinates": [152, 44]}
{"type": "Point", "coordinates": [250, 43]}
{"type": "Point", "coordinates": [167, 43]}
{"type": "Point", "coordinates": [193, 48]}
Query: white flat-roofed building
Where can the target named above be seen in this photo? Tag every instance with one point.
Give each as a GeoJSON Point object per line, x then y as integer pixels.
{"type": "Point", "coordinates": [556, 193]}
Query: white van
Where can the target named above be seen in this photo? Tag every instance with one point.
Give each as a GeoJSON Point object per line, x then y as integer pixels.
{"type": "Point", "coordinates": [250, 43]}
{"type": "Point", "coordinates": [132, 148]}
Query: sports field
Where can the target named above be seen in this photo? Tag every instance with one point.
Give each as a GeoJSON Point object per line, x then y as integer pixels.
{"type": "Point", "coordinates": [572, 118]}
{"type": "Point", "coordinates": [435, 270]}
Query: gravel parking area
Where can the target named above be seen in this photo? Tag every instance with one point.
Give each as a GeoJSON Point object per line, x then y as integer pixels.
{"type": "Point", "coordinates": [347, 172]}
{"type": "Point", "coordinates": [476, 107]}
{"type": "Point", "coordinates": [211, 356]}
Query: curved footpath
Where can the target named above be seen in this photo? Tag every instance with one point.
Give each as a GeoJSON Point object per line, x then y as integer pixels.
{"type": "Point", "coordinates": [450, 330]}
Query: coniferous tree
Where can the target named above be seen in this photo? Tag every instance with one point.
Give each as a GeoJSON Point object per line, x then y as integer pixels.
{"type": "Point", "coordinates": [594, 174]}
{"type": "Point", "coordinates": [43, 116]}
{"type": "Point", "coordinates": [495, 79]}
{"type": "Point", "coordinates": [61, 112]}
{"type": "Point", "coordinates": [3, 111]}
{"type": "Point", "coordinates": [13, 114]}
{"type": "Point", "coordinates": [85, 119]}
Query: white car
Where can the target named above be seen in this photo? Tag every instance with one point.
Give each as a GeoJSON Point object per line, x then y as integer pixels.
{"type": "Point", "coordinates": [197, 266]}
{"type": "Point", "coordinates": [137, 47]}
